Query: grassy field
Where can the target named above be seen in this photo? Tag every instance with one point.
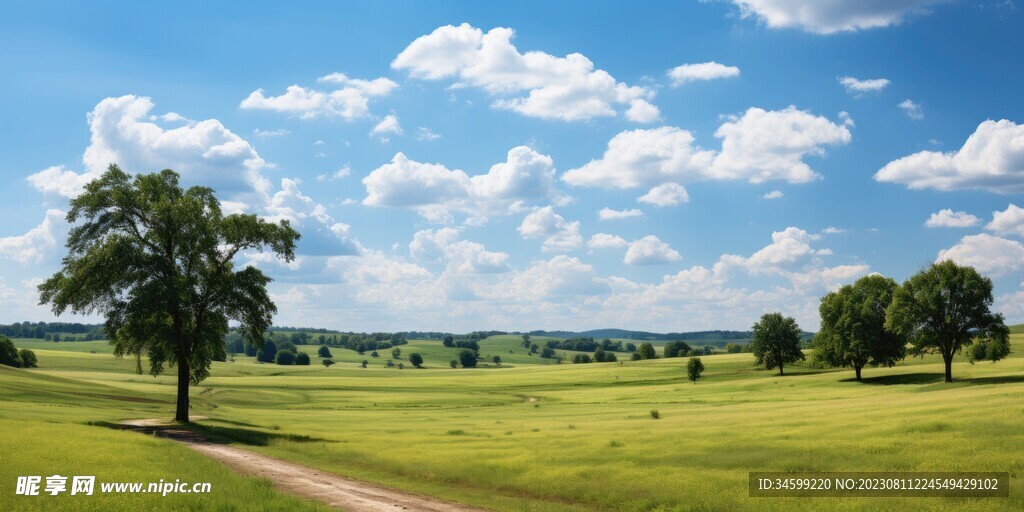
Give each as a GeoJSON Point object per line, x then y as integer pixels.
{"type": "Point", "coordinates": [521, 437]}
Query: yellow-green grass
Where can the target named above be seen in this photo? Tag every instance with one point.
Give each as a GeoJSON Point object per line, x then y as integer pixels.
{"type": "Point", "coordinates": [562, 437]}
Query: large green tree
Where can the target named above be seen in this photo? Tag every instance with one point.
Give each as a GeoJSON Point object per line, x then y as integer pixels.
{"type": "Point", "coordinates": [853, 329]}
{"type": "Point", "coordinates": [943, 309]}
{"type": "Point", "coordinates": [776, 341]}
{"type": "Point", "coordinates": [156, 261]}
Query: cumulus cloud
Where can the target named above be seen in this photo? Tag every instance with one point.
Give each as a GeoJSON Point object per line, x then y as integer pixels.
{"type": "Point", "coordinates": [534, 83]}
{"type": "Point", "coordinates": [1008, 222]}
{"type": "Point", "coordinates": [650, 250]}
{"type": "Point", "coordinates": [911, 109]}
{"type": "Point", "coordinates": [559, 234]}
{"type": "Point", "coordinates": [947, 218]}
{"type": "Point", "coordinates": [606, 241]}
{"type": "Point", "coordinates": [435, 191]}
{"type": "Point", "coordinates": [832, 230]}
{"type": "Point", "coordinates": [666, 194]}
{"type": "Point", "coordinates": [859, 87]}
{"type": "Point", "coordinates": [460, 256]}
{"type": "Point", "coordinates": [704, 71]}
{"type": "Point", "coordinates": [388, 125]}
{"type": "Point", "coordinates": [774, 194]}
{"type": "Point", "coordinates": [342, 172]}
{"type": "Point", "coordinates": [759, 146]}
{"type": "Point", "coordinates": [986, 253]}
{"type": "Point", "coordinates": [992, 159]}
{"type": "Point", "coordinates": [37, 243]}
{"type": "Point", "coordinates": [830, 17]}
{"type": "Point", "coordinates": [350, 101]}
{"type": "Point", "coordinates": [321, 234]}
{"type": "Point", "coordinates": [426, 134]}
{"type": "Point", "coordinates": [610, 214]}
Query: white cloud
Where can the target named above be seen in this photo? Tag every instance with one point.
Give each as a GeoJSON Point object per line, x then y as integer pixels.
{"type": "Point", "coordinates": [37, 243]}
{"type": "Point", "coordinates": [351, 101]}
{"type": "Point", "coordinates": [342, 172]}
{"type": "Point", "coordinates": [911, 109]}
{"type": "Point", "coordinates": [559, 235]}
{"type": "Point", "coordinates": [609, 214]}
{"type": "Point", "coordinates": [424, 133]}
{"type": "Point", "coordinates": [760, 146]}
{"type": "Point", "coordinates": [436, 191]}
{"type": "Point", "coordinates": [265, 134]}
{"type": "Point", "coordinates": [566, 88]}
{"type": "Point", "coordinates": [641, 111]}
{"type": "Point", "coordinates": [321, 234]}
{"type": "Point", "coordinates": [986, 253]}
{"type": "Point", "coordinates": [844, 116]}
{"type": "Point", "coordinates": [666, 194]}
{"type": "Point", "coordinates": [460, 256]}
{"type": "Point", "coordinates": [789, 249]}
{"type": "Point", "coordinates": [560, 276]}
{"type": "Point", "coordinates": [1008, 222]}
{"type": "Point", "coordinates": [387, 125]}
{"type": "Point", "coordinates": [947, 218]}
{"type": "Point", "coordinates": [173, 117]}
{"type": "Point", "coordinates": [859, 87]}
{"type": "Point", "coordinates": [704, 71]}
{"type": "Point", "coordinates": [991, 159]}
{"type": "Point", "coordinates": [774, 194]}
{"type": "Point", "coordinates": [832, 16]}
{"type": "Point", "coordinates": [832, 230]}
{"type": "Point", "coordinates": [650, 250]}
{"type": "Point", "coordinates": [606, 241]}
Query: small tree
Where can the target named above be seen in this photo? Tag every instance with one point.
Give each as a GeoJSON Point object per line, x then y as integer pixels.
{"type": "Point", "coordinates": [364, 363]}
{"type": "Point", "coordinates": [390, 363]}
{"type": "Point", "coordinates": [453, 363]}
{"type": "Point", "coordinates": [302, 359]}
{"type": "Point", "coordinates": [8, 353]}
{"type": "Point", "coordinates": [416, 359]}
{"type": "Point", "coordinates": [374, 354]}
{"type": "Point", "coordinates": [599, 355]}
{"type": "Point", "coordinates": [609, 357]}
{"type": "Point", "coordinates": [496, 360]}
{"type": "Point", "coordinates": [327, 362]}
{"type": "Point", "coordinates": [28, 358]}
{"type": "Point", "coordinates": [285, 357]}
{"type": "Point", "coordinates": [547, 353]}
{"type": "Point", "coordinates": [449, 341]}
{"type": "Point", "coordinates": [646, 351]}
{"type": "Point", "coordinates": [323, 351]}
{"type": "Point", "coordinates": [396, 353]}
{"type": "Point", "coordinates": [776, 341]}
{"type": "Point", "coordinates": [267, 353]}
{"type": "Point", "coordinates": [581, 359]}
{"type": "Point", "coordinates": [534, 348]}
{"type": "Point", "coordinates": [853, 329]}
{"type": "Point", "coordinates": [694, 367]}
{"type": "Point", "coordinates": [945, 308]}
{"type": "Point", "coordinates": [526, 341]}
{"type": "Point", "coordinates": [467, 358]}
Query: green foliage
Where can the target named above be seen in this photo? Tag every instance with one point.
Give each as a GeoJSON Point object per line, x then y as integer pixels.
{"type": "Point", "coordinates": [467, 358]}
{"type": "Point", "coordinates": [776, 341]}
{"type": "Point", "coordinates": [733, 348]}
{"type": "Point", "coordinates": [547, 353]}
{"type": "Point", "coordinates": [610, 357]}
{"type": "Point", "coordinates": [655, 414]}
{"type": "Point", "coordinates": [396, 353]}
{"type": "Point", "coordinates": [28, 358]}
{"type": "Point", "coordinates": [453, 363]}
{"type": "Point", "coordinates": [416, 359]}
{"type": "Point", "coordinates": [694, 367]}
{"type": "Point", "coordinates": [677, 348]}
{"type": "Point", "coordinates": [390, 363]}
{"type": "Point", "coordinates": [323, 351]}
{"type": "Point", "coordinates": [449, 341]}
{"type": "Point", "coordinates": [285, 357]}
{"type": "Point", "coordinates": [599, 355]}
{"type": "Point", "coordinates": [328, 362]}
{"type": "Point", "coordinates": [374, 354]}
{"type": "Point", "coordinates": [364, 363]}
{"type": "Point", "coordinates": [156, 261]}
{"type": "Point", "coordinates": [853, 329]}
{"type": "Point", "coordinates": [635, 356]}
{"type": "Point", "coordinates": [302, 359]}
{"type": "Point", "coordinates": [267, 353]}
{"type": "Point", "coordinates": [646, 351]}
{"type": "Point", "coordinates": [947, 307]}
{"type": "Point", "coordinates": [496, 360]}
{"type": "Point", "coordinates": [8, 353]}
{"type": "Point", "coordinates": [581, 359]}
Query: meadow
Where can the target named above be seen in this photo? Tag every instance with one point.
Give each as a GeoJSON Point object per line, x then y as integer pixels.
{"type": "Point", "coordinates": [529, 435]}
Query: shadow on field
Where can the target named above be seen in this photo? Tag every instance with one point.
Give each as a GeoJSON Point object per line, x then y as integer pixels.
{"type": "Point", "coordinates": [1002, 379]}
{"type": "Point", "coordinates": [195, 432]}
{"type": "Point", "coordinates": [905, 378]}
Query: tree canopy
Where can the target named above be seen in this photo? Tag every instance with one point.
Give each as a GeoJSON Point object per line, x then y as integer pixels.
{"type": "Point", "coordinates": [776, 341]}
{"type": "Point", "coordinates": [853, 329]}
{"type": "Point", "coordinates": [157, 261]}
{"type": "Point", "coordinates": [943, 309]}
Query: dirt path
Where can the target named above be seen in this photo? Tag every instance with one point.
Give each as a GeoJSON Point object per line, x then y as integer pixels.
{"type": "Point", "coordinates": [336, 491]}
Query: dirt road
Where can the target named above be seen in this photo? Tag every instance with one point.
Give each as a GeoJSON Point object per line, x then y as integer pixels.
{"type": "Point", "coordinates": [336, 491]}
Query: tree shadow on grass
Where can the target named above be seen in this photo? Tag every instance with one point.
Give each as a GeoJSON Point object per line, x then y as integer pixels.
{"type": "Point", "coordinates": [195, 432]}
{"type": "Point", "coordinates": [1002, 379]}
{"type": "Point", "coordinates": [903, 378]}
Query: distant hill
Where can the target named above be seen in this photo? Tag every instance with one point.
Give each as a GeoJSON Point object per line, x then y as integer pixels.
{"type": "Point", "coordinates": [648, 336]}
{"type": "Point", "coordinates": [1017, 329]}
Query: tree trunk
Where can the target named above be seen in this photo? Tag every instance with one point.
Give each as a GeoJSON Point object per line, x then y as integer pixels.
{"type": "Point", "coordinates": [857, 369]}
{"type": "Point", "coordinates": [181, 413]}
{"type": "Point", "coordinates": [780, 368]}
{"type": "Point", "coordinates": [949, 367]}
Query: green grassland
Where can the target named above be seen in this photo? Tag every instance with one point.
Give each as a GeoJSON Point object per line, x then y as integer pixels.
{"type": "Point", "coordinates": [530, 435]}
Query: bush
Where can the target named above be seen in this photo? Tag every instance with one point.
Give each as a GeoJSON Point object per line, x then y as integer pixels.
{"type": "Point", "coordinates": [453, 363]}
{"type": "Point", "coordinates": [374, 354]}
{"type": "Point", "coordinates": [677, 348]}
{"type": "Point", "coordinates": [581, 359]}
{"type": "Point", "coordinates": [268, 353]}
{"type": "Point", "coordinates": [327, 362]}
{"type": "Point", "coordinates": [646, 351]}
{"type": "Point", "coordinates": [655, 414]}
{"type": "Point", "coordinates": [467, 358]}
{"type": "Point", "coordinates": [285, 357]}
{"type": "Point", "coordinates": [396, 353]}
{"type": "Point", "coordinates": [599, 355]}
{"type": "Point", "coordinates": [610, 357]}
{"type": "Point", "coordinates": [365, 362]}
{"type": "Point", "coordinates": [547, 353]}
{"type": "Point", "coordinates": [733, 348]}
{"type": "Point", "coordinates": [323, 351]}
{"type": "Point", "coordinates": [694, 367]}
{"type": "Point", "coordinates": [390, 364]}
{"type": "Point", "coordinates": [448, 341]}
{"type": "Point", "coordinates": [8, 354]}
{"type": "Point", "coordinates": [496, 360]}
{"type": "Point", "coordinates": [635, 356]}
{"type": "Point", "coordinates": [416, 359]}
{"type": "Point", "coordinates": [302, 359]}
{"type": "Point", "coordinates": [28, 358]}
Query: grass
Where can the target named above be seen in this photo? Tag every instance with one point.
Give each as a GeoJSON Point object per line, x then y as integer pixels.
{"type": "Point", "coordinates": [527, 436]}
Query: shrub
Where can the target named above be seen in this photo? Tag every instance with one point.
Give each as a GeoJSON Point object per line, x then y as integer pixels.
{"type": "Point", "coordinates": [416, 359]}
{"type": "Point", "coordinates": [448, 341]}
{"type": "Point", "coordinates": [733, 348]}
{"type": "Point", "coordinates": [547, 353]}
{"type": "Point", "coordinates": [365, 362]}
{"type": "Point", "coordinates": [581, 359]}
{"type": "Point", "coordinates": [8, 354]}
{"type": "Point", "coordinates": [396, 353]}
{"type": "Point", "coordinates": [323, 351]}
{"type": "Point", "coordinates": [599, 355]}
{"type": "Point", "coordinates": [635, 356]}
{"type": "Point", "coordinates": [285, 357]}
{"type": "Point", "coordinates": [496, 360]}
{"type": "Point", "coordinates": [646, 351]}
{"type": "Point", "coordinates": [610, 357]}
{"type": "Point", "coordinates": [453, 363]}
{"type": "Point", "coordinates": [655, 414]}
{"type": "Point", "coordinates": [390, 363]}
{"type": "Point", "coordinates": [327, 362]}
{"type": "Point", "coordinates": [28, 358]}
{"type": "Point", "coordinates": [374, 354]}
{"type": "Point", "coordinates": [302, 359]}
{"type": "Point", "coordinates": [267, 353]}
{"type": "Point", "coordinates": [467, 358]}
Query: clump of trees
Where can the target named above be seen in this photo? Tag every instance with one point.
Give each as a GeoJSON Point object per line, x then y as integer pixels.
{"type": "Point", "coordinates": [302, 359]}
{"type": "Point", "coordinates": [285, 357]}
{"type": "Point", "coordinates": [776, 341]}
{"type": "Point", "coordinates": [694, 367]}
{"type": "Point", "coordinates": [467, 358]}
{"type": "Point", "coordinates": [586, 344]}
{"type": "Point", "coordinates": [11, 356]}
{"type": "Point", "coordinates": [416, 359]}
{"type": "Point", "coordinates": [644, 351]}
{"type": "Point", "coordinates": [853, 332]}
{"type": "Point", "coordinates": [581, 359]}
{"type": "Point", "coordinates": [677, 348]}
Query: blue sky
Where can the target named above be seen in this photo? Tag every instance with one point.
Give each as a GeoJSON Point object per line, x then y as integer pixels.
{"type": "Point", "coordinates": [447, 163]}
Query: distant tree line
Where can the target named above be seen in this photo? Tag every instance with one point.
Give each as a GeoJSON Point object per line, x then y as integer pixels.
{"type": "Point", "coordinates": [47, 331]}
{"type": "Point", "coordinates": [588, 344]}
